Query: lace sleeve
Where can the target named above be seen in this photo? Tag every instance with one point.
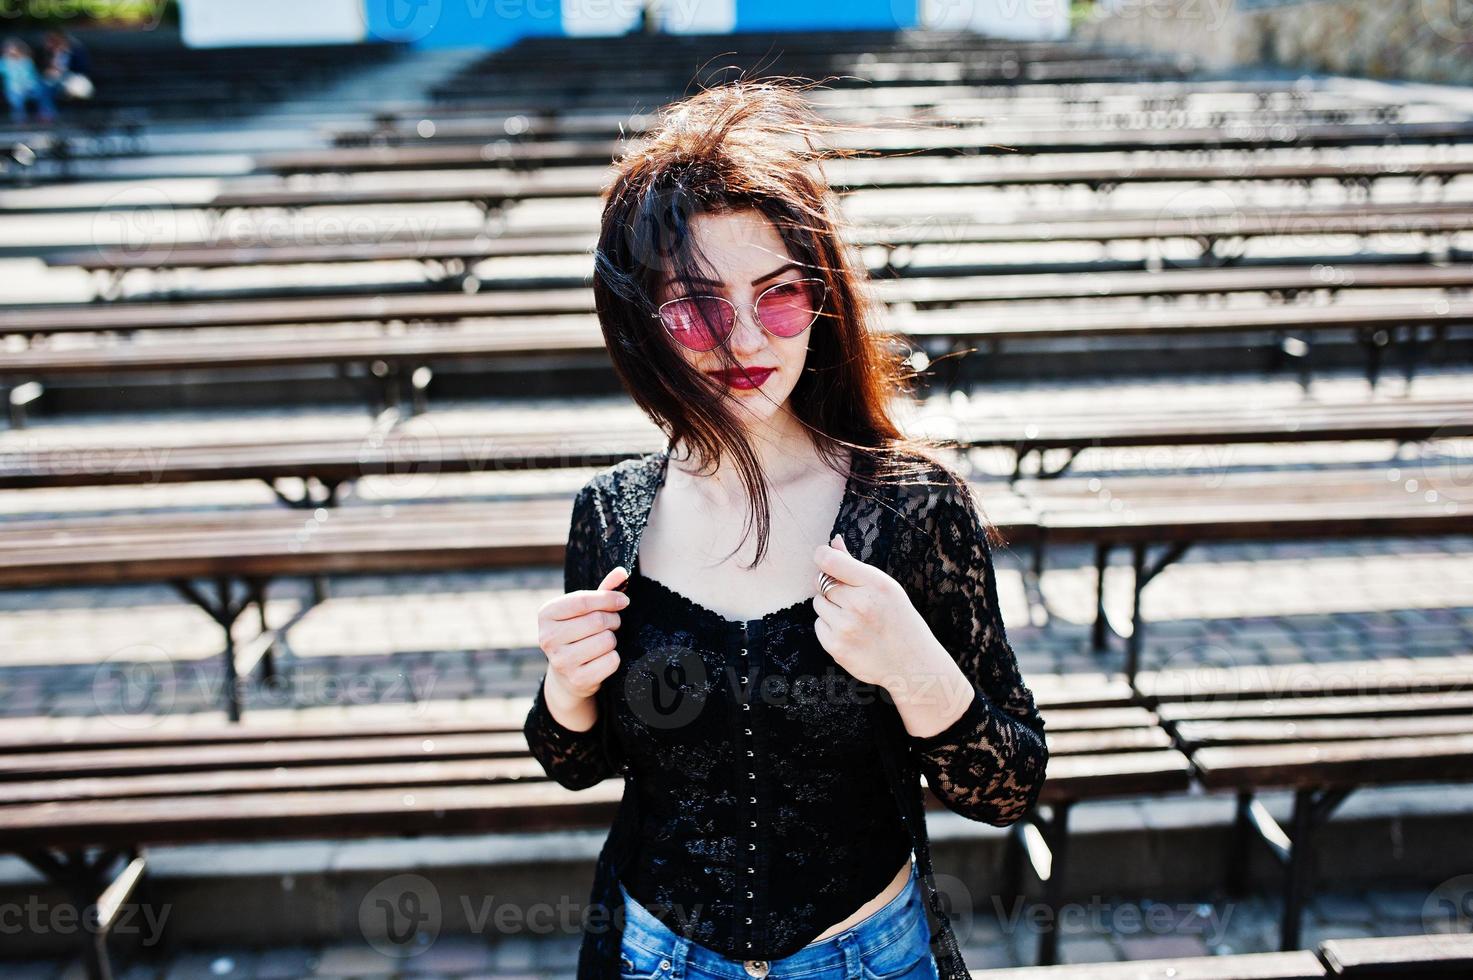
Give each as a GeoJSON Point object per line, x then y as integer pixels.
{"type": "Point", "coordinates": [572, 758]}
{"type": "Point", "coordinates": [989, 764]}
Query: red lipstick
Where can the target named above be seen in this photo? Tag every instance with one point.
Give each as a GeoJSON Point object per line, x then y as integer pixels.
{"type": "Point", "coordinates": [753, 378]}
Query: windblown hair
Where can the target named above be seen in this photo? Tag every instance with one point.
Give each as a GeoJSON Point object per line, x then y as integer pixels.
{"type": "Point", "coordinates": [747, 145]}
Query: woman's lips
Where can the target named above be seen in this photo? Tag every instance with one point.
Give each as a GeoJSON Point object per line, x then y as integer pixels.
{"type": "Point", "coordinates": [736, 380]}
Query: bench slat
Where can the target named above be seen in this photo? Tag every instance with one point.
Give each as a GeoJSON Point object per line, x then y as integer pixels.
{"type": "Point", "coordinates": [1199, 734]}
{"type": "Point", "coordinates": [1437, 955]}
{"type": "Point", "coordinates": [1348, 763]}
{"type": "Point", "coordinates": [1299, 964]}
{"type": "Point", "coordinates": [1370, 706]}
{"type": "Point", "coordinates": [257, 755]}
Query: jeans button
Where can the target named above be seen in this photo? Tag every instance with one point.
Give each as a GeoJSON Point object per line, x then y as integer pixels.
{"type": "Point", "coordinates": [756, 968]}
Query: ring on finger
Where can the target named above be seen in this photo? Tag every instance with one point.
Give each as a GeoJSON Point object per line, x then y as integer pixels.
{"type": "Point", "coordinates": [825, 583]}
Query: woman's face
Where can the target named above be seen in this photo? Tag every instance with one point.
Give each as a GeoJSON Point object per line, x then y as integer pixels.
{"type": "Point", "coordinates": [750, 257]}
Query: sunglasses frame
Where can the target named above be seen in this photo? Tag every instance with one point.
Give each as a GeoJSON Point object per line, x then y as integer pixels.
{"type": "Point", "coordinates": [823, 288]}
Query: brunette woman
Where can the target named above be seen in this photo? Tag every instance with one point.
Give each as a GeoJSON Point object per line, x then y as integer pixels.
{"type": "Point", "coordinates": [771, 701]}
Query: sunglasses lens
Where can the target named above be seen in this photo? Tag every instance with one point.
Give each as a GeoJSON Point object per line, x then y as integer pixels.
{"type": "Point", "coordinates": [791, 308]}
{"type": "Point", "coordinates": [699, 324]}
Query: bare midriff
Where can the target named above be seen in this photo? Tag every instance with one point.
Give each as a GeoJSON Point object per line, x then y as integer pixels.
{"type": "Point", "coordinates": [897, 884]}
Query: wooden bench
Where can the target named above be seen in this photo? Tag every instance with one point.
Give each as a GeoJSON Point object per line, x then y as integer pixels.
{"type": "Point", "coordinates": [448, 260]}
{"type": "Point", "coordinates": [124, 788]}
{"type": "Point", "coordinates": [1433, 957]}
{"type": "Point", "coordinates": [1158, 96]}
{"type": "Point", "coordinates": [332, 462]}
{"type": "Point", "coordinates": [223, 561]}
{"type": "Point", "coordinates": [1320, 730]}
{"type": "Point", "coordinates": [945, 142]}
{"type": "Point", "coordinates": [498, 191]}
{"type": "Point", "coordinates": [394, 359]}
{"type": "Point", "coordinates": [116, 794]}
{"type": "Point", "coordinates": [1178, 511]}
{"type": "Point", "coordinates": [1031, 435]}
{"type": "Point", "coordinates": [654, 88]}
{"type": "Point", "coordinates": [1426, 957]}
{"type": "Point", "coordinates": [1122, 112]}
{"type": "Point", "coordinates": [1102, 745]}
{"type": "Point", "coordinates": [1106, 745]}
{"type": "Point", "coordinates": [1298, 965]}
{"type": "Point", "coordinates": [849, 175]}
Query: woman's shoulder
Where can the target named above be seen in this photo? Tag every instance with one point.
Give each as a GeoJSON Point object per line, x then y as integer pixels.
{"type": "Point", "coordinates": [636, 474]}
{"type": "Point", "coordinates": [921, 472]}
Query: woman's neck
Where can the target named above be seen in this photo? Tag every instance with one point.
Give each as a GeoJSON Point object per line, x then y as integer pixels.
{"type": "Point", "coordinates": [783, 449]}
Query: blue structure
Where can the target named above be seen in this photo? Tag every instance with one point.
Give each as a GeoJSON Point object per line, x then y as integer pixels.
{"type": "Point", "coordinates": [497, 23]}
{"type": "Point", "coordinates": [852, 15]}
{"type": "Point", "coordinates": [461, 23]}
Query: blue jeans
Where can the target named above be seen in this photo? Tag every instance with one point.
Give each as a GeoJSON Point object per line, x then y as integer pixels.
{"type": "Point", "coordinates": [41, 95]}
{"type": "Point", "coordinates": [892, 943]}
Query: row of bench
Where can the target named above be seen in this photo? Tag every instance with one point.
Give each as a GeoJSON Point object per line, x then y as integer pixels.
{"type": "Point", "coordinates": [948, 141]}
{"type": "Point", "coordinates": [244, 550]}
{"type": "Point", "coordinates": [497, 190]}
{"type": "Point", "coordinates": [1431, 220]}
{"type": "Point", "coordinates": [399, 363]}
{"type": "Point", "coordinates": [1427, 957]}
{"type": "Point", "coordinates": [446, 768]}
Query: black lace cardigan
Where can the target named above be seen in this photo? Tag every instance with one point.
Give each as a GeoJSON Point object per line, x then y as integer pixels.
{"type": "Point", "coordinates": [989, 765]}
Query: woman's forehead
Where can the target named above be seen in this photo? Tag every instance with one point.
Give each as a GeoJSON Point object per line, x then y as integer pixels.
{"type": "Point", "coordinates": [740, 246]}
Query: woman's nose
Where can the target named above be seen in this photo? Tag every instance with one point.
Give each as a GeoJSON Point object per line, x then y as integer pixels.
{"type": "Point", "coordinates": [747, 332]}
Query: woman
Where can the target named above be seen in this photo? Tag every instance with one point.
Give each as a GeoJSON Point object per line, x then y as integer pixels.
{"type": "Point", "coordinates": [771, 738]}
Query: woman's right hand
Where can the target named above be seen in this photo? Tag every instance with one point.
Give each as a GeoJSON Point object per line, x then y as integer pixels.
{"type": "Point", "coordinates": [576, 632]}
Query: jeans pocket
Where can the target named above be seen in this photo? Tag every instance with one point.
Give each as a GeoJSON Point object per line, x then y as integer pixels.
{"type": "Point", "coordinates": [907, 957]}
{"type": "Point", "coordinates": [639, 963]}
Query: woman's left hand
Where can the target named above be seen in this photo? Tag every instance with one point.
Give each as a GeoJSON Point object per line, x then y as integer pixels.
{"type": "Point", "coordinates": [868, 623]}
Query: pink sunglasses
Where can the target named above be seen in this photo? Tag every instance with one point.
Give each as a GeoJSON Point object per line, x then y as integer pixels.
{"type": "Point", "coordinates": [703, 323]}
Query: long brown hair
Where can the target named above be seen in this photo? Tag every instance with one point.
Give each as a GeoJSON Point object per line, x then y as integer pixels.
{"type": "Point", "coordinates": [749, 144]}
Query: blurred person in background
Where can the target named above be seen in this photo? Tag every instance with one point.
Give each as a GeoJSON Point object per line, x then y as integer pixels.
{"type": "Point", "coordinates": [23, 83]}
{"type": "Point", "coordinates": [67, 70]}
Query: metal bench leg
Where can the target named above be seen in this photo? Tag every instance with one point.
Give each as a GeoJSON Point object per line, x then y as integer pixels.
{"type": "Point", "coordinates": [1055, 832]}
{"type": "Point", "coordinates": [1238, 850]}
{"type": "Point", "coordinates": [1012, 863]}
{"type": "Point", "coordinates": [1102, 559]}
{"type": "Point", "coordinates": [1374, 341]}
{"type": "Point", "coordinates": [1311, 810]}
{"type": "Point", "coordinates": [1143, 576]}
{"type": "Point", "coordinates": [1410, 347]}
{"type": "Point", "coordinates": [257, 589]}
{"type": "Point", "coordinates": [1137, 622]}
{"type": "Point", "coordinates": [1297, 876]}
{"type": "Point", "coordinates": [224, 610]}
{"type": "Point", "coordinates": [89, 884]}
{"type": "Point", "coordinates": [19, 399]}
{"type": "Point", "coordinates": [1294, 852]}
